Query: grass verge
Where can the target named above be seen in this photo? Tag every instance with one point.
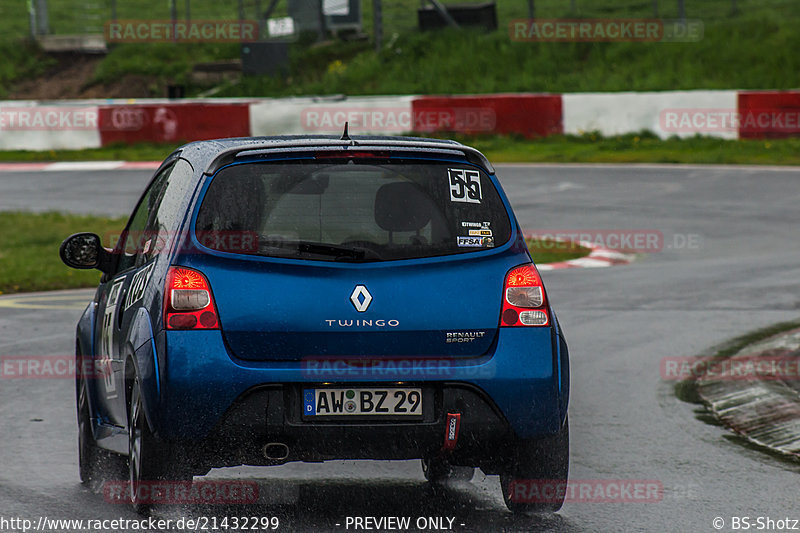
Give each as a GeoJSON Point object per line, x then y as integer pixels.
{"type": "Point", "coordinates": [588, 148]}
{"type": "Point", "coordinates": [637, 148]}
{"type": "Point", "coordinates": [29, 250]}
{"type": "Point", "coordinates": [750, 47]}
{"type": "Point", "coordinates": [547, 251]}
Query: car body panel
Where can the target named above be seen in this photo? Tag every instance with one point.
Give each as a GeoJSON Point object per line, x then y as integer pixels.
{"type": "Point", "coordinates": [275, 313]}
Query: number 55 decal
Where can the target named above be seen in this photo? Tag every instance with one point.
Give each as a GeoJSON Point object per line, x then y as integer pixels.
{"type": "Point", "coordinates": [465, 185]}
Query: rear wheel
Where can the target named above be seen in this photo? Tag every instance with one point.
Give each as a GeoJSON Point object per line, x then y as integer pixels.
{"type": "Point", "coordinates": [148, 457]}
{"type": "Point", "coordinates": [535, 482]}
{"type": "Point", "coordinates": [439, 470]}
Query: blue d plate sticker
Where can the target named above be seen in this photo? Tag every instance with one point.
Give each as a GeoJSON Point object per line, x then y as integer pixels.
{"type": "Point", "coordinates": [309, 402]}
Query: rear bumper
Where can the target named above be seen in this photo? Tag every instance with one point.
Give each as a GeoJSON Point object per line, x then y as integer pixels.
{"type": "Point", "coordinates": [269, 414]}
{"type": "Point", "coordinates": [520, 391]}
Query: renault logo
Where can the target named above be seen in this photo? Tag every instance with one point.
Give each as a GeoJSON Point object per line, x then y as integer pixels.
{"type": "Point", "coordinates": [360, 298]}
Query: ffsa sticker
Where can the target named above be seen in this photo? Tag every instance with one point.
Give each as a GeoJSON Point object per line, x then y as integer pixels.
{"type": "Point", "coordinates": [475, 242]}
{"type": "Point", "coordinates": [465, 185]}
{"type": "Point", "coordinates": [138, 284]}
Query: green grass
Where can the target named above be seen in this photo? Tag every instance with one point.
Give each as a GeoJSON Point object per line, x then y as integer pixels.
{"type": "Point", "coordinates": [115, 152]}
{"type": "Point", "coordinates": [641, 148]}
{"type": "Point", "coordinates": [751, 49]}
{"type": "Point", "coordinates": [20, 60]}
{"type": "Point", "coordinates": [588, 148]}
{"type": "Point", "coordinates": [548, 251]}
{"type": "Point", "coordinates": [29, 244]}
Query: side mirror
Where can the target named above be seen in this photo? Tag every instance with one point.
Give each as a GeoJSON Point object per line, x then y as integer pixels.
{"type": "Point", "coordinates": [84, 250]}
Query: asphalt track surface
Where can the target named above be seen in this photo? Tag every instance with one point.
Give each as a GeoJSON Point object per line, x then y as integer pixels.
{"type": "Point", "coordinates": [740, 272]}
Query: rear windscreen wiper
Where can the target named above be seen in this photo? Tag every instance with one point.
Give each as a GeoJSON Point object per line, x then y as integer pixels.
{"type": "Point", "coordinates": [318, 248]}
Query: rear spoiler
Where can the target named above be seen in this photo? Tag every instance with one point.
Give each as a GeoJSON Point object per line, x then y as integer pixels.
{"type": "Point", "coordinates": [305, 145]}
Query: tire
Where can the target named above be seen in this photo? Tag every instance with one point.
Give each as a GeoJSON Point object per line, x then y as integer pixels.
{"type": "Point", "coordinates": [95, 465]}
{"type": "Point", "coordinates": [544, 460]}
{"type": "Point", "coordinates": [148, 457]}
{"type": "Point", "coordinates": [438, 471]}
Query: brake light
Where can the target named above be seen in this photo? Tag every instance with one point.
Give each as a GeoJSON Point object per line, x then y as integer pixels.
{"type": "Point", "coordinates": [351, 154]}
{"type": "Point", "coordinates": [188, 301]}
{"type": "Point", "coordinates": [524, 298]}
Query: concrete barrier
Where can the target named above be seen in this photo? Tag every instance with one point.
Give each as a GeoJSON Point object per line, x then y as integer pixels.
{"type": "Point", "coordinates": [77, 124]}
{"type": "Point", "coordinates": [530, 115]}
{"type": "Point", "coordinates": [390, 115]}
{"type": "Point", "coordinates": [680, 113]}
{"type": "Point", "coordinates": [32, 125]}
{"type": "Point", "coordinates": [769, 114]}
{"type": "Point", "coordinates": [190, 121]}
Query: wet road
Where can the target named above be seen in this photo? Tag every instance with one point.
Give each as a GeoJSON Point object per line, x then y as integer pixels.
{"type": "Point", "coordinates": [727, 263]}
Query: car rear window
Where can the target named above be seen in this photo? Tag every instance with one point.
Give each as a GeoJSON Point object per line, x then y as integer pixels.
{"type": "Point", "coordinates": [350, 210]}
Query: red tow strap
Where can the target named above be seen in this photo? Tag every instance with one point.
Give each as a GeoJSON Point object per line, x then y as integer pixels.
{"type": "Point", "coordinates": [451, 431]}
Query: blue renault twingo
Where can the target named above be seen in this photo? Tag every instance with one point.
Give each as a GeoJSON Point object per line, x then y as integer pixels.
{"type": "Point", "coordinates": [309, 298]}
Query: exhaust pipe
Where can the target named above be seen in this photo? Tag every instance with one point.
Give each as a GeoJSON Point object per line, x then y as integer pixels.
{"type": "Point", "coordinates": [276, 451]}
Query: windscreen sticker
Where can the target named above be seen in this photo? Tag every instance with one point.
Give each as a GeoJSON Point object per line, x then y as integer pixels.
{"type": "Point", "coordinates": [475, 242]}
{"type": "Point", "coordinates": [479, 225]}
{"type": "Point", "coordinates": [138, 285]}
{"type": "Point", "coordinates": [465, 185]}
{"type": "Point", "coordinates": [480, 233]}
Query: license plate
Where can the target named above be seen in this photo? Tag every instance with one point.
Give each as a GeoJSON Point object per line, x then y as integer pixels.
{"type": "Point", "coordinates": [362, 402]}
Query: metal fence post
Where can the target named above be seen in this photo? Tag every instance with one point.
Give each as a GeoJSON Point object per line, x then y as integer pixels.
{"type": "Point", "coordinates": [377, 23]}
{"type": "Point", "coordinates": [32, 18]}
{"type": "Point", "coordinates": [681, 10]}
{"type": "Point", "coordinates": [655, 9]}
{"type": "Point", "coordinates": [322, 29]}
{"type": "Point", "coordinates": [531, 10]}
{"type": "Point", "coordinates": [42, 19]}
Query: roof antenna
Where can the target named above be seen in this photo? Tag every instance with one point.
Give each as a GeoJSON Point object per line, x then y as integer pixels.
{"type": "Point", "coordinates": [345, 135]}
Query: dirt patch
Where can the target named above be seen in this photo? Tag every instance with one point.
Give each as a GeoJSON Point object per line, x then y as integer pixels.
{"type": "Point", "coordinates": [71, 77]}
